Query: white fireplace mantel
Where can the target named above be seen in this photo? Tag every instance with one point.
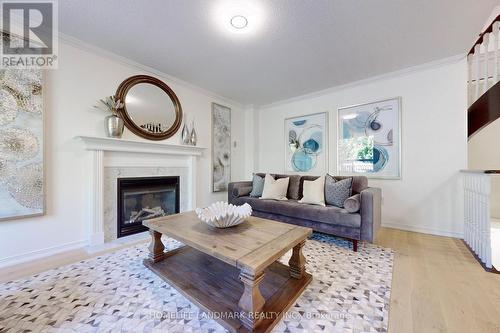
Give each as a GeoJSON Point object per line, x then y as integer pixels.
{"type": "Point", "coordinates": [132, 146]}
{"type": "Point", "coordinates": [104, 153]}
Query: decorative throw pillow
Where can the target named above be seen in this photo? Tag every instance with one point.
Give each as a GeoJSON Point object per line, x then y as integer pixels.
{"type": "Point", "coordinates": [352, 204]}
{"type": "Point", "coordinates": [337, 191]}
{"type": "Point", "coordinates": [275, 188]}
{"type": "Point", "coordinates": [241, 191]}
{"type": "Point", "coordinates": [257, 186]}
{"type": "Point", "coordinates": [314, 192]}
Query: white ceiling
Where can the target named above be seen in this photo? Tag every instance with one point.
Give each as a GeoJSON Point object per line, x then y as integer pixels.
{"type": "Point", "coordinates": [300, 46]}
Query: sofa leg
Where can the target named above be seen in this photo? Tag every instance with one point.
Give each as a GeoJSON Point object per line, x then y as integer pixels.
{"type": "Point", "coordinates": [355, 245]}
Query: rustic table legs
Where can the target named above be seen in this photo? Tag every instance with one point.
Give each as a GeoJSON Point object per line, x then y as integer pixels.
{"type": "Point", "coordinates": [251, 302]}
{"type": "Point", "coordinates": [297, 262]}
{"type": "Point", "coordinates": [156, 247]}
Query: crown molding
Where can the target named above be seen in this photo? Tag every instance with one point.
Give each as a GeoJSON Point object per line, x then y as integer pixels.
{"type": "Point", "coordinates": [386, 76]}
{"type": "Point", "coordinates": [77, 43]}
{"type": "Point", "coordinates": [81, 45]}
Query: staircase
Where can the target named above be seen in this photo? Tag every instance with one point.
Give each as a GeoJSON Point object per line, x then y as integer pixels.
{"type": "Point", "coordinates": [483, 108]}
{"type": "Point", "coordinates": [483, 79]}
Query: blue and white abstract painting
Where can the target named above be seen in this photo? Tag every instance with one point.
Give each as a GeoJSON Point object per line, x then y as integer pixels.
{"type": "Point", "coordinates": [369, 139]}
{"type": "Point", "coordinates": [306, 144]}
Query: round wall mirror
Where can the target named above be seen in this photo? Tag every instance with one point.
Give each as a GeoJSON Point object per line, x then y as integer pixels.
{"type": "Point", "coordinates": [151, 110]}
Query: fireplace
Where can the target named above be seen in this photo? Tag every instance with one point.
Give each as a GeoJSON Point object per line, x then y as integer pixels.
{"type": "Point", "coordinates": [145, 198]}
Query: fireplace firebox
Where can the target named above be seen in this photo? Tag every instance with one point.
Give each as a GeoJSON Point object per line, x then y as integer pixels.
{"type": "Point", "coordinates": [144, 198]}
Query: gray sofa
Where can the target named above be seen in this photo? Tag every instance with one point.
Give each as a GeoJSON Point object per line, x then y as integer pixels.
{"type": "Point", "coordinates": [359, 226]}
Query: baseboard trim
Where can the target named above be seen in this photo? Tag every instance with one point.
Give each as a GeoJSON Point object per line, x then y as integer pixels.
{"type": "Point", "coordinates": [118, 243]}
{"type": "Point", "coordinates": [423, 230]}
{"type": "Point", "coordinates": [42, 253]}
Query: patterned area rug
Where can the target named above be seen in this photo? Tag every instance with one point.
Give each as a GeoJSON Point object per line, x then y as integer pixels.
{"type": "Point", "coordinates": [350, 292]}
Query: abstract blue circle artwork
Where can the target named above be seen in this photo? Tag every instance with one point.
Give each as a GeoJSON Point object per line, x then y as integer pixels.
{"type": "Point", "coordinates": [369, 139]}
{"type": "Point", "coordinates": [305, 143]}
{"type": "Point", "coordinates": [303, 161]}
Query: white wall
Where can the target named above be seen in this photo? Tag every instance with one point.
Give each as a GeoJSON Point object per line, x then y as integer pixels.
{"type": "Point", "coordinates": [69, 93]}
{"type": "Point", "coordinates": [434, 106]}
{"type": "Point", "coordinates": [484, 154]}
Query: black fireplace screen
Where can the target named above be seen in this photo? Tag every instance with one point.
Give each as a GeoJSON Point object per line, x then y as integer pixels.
{"type": "Point", "coordinates": [145, 198]}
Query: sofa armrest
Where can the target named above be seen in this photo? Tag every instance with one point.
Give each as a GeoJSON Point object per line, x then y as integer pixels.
{"type": "Point", "coordinates": [371, 213]}
{"type": "Point", "coordinates": [234, 188]}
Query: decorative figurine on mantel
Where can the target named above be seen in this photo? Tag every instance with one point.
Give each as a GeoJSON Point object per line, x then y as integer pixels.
{"type": "Point", "coordinates": [113, 124]}
{"type": "Point", "coordinates": [186, 135]}
{"type": "Point", "coordinates": [193, 138]}
{"type": "Point", "coordinates": [153, 127]}
{"type": "Point", "coordinates": [189, 137]}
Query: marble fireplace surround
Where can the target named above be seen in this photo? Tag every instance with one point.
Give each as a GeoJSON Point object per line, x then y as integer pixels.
{"type": "Point", "coordinates": [110, 159]}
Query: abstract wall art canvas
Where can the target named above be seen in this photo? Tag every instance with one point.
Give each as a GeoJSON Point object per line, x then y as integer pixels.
{"type": "Point", "coordinates": [21, 144]}
{"type": "Point", "coordinates": [221, 147]}
{"type": "Point", "coordinates": [369, 139]}
{"type": "Point", "coordinates": [306, 142]}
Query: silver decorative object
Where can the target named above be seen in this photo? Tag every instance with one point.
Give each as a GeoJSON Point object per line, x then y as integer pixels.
{"type": "Point", "coordinates": [113, 126]}
{"type": "Point", "coordinates": [186, 137]}
{"type": "Point", "coordinates": [193, 138]}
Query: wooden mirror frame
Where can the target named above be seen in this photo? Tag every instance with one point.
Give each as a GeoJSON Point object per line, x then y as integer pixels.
{"type": "Point", "coordinates": [121, 94]}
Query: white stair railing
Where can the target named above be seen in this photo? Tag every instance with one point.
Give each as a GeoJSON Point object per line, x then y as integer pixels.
{"type": "Point", "coordinates": [496, 38]}
{"type": "Point", "coordinates": [483, 62]}
{"type": "Point", "coordinates": [477, 219]}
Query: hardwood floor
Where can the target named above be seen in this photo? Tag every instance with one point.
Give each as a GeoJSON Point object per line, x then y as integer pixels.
{"type": "Point", "coordinates": [58, 260]}
{"type": "Point", "coordinates": [437, 285]}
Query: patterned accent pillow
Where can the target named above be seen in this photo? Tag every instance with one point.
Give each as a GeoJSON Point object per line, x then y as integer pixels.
{"type": "Point", "coordinates": [337, 191]}
{"type": "Point", "coordinates": [257, 186]}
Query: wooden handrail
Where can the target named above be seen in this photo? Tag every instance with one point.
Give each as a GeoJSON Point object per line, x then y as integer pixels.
{"type": "Point", "coordinates": [481, 35]}
{"type": "Point", "coordinates": [484, 111]}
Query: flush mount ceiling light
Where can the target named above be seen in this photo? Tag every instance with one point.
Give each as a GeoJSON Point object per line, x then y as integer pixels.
{"type": "Point", "coordinates": [239, 17]}
{"type": "Point", "coordinates": [239, 22]}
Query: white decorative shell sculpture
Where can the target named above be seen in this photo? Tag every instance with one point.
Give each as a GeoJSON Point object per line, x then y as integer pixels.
{"type": "Point", "coordinates": [224, 215]}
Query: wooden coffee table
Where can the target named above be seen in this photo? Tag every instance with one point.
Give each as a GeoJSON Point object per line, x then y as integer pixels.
{"type": "Point", "coordinates": [232, 273]}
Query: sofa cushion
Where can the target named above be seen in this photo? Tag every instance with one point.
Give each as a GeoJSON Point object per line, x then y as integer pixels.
{"type": "Point", "coordinates": [352, 204]}
{"type": "Point", "coordinates": [275, 188]}
{"type": "Point", "coordinates": [293, 184]}
{"type": "Point", "coordinates": [292, 208]}
{"type": "Point", "coordinates": [337, 191]}
{"type": "Point", "coordinates": [314, 192]}
{"type": "Point", "coordinates": [257, 186]}
{"type": "Point", "coordinates": [359, 183]}
{"type": "Point", "coordinates": [241, 191]}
